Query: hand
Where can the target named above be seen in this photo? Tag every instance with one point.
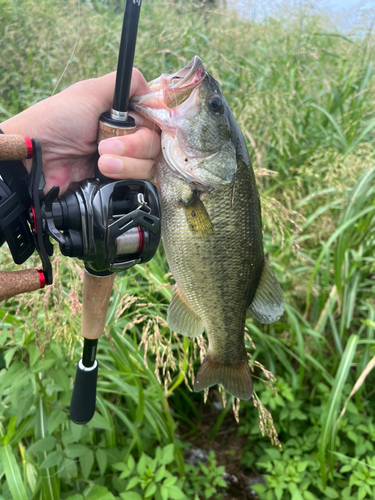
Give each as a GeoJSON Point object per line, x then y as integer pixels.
{"type": "Point", "coordinates": [67, 126]}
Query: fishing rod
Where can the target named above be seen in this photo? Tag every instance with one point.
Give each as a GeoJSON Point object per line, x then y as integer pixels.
{"type": "Point", "coordinates": [110, 225]}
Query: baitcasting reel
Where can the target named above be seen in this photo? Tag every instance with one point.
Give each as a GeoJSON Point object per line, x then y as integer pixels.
{"type": "Point", "coordinates": [109, 226]}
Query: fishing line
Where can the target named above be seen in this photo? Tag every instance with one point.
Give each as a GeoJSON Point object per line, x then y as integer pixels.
{"type": "Point", "coordinates": [174, 92]}
{"type": "Point", "coordinates": [48, 476]}
{"type": "Point", "coordinates": [74, 48]}
{"type": "Point", "coordinates": [70, 58]}
{"type": "Point", "coordinates": [151, 142]}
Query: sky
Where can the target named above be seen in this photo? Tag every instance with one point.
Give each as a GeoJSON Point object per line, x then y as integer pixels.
{"type": "Point", "coordinates": [346, 12]}
{"type": "Point", "coordinates": [344, 4]}
{"type": "Point", "coordinates": [350, 12]}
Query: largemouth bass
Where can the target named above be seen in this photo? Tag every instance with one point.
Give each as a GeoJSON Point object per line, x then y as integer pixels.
{"type": "Point", "coordinates": [211, 224]}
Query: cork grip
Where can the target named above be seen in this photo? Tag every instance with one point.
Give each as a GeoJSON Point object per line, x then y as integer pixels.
{"type": "Point", "coordinates": [13, 283]}
{"type": "Point", "coordinates": [106, 131]}
{"type": "Point", "coordinates": [15, 147]}
{"type": "Point", "coordinates": [96, 294]}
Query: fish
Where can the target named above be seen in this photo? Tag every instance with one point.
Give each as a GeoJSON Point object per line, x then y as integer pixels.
{"type": "Point", "coordinates": [211, 224]}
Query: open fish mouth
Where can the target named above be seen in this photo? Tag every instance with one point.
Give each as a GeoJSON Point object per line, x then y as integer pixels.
{"type": "Point", "coordinates": [191, 75]}
{"type": "Point", "coordinates": [171, 90]}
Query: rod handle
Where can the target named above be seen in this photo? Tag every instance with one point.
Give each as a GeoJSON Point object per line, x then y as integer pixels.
{"type": "Point", "coordinates": [96, 294]}
{"type": "Point", "coordinates": [15, 147]}
{"type": "Point", "coordinates": [16, 282]}
{"type": "Point", "coordinates": [82, 404]}
{"type": "Point", "coordinates": [108, 127]}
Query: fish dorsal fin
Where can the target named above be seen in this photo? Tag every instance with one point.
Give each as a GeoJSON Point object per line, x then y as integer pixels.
{"type": "Point", "coordinates": [268, 304]}
{"type": "Point", "coordinates": [181, 318]}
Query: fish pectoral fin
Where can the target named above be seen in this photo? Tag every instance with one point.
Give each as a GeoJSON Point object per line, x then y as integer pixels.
{"type": "Point", "coordinates": [267, 305]}
{"type": "Point", "coordinates": [181, 318]}
{"type": "Point", "coordinates": [198, 220]}
{"type": "Point", "coordinates": [236, 378]}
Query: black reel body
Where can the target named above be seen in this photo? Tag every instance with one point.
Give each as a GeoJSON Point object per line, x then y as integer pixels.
{"type": "Point", "coordinates": [110, 226]}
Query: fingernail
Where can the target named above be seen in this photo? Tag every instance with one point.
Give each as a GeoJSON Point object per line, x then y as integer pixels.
{"type": "Point", "coordinates": [111, 147]}
{"type": "Point", "coordinates": [110, 165]}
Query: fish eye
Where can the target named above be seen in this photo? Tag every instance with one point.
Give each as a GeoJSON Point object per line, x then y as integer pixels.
{"type": "Point", "coordinates": [215, 104]}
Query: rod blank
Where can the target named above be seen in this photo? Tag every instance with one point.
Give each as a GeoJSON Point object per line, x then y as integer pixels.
{"type": "Point", "coordinates": [126, 55]}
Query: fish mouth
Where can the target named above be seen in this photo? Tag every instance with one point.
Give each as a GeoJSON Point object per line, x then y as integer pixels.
{"type": "Point", "coordinates": [186, 78]}
{"type": "Point", "coordinates": [169, 91]}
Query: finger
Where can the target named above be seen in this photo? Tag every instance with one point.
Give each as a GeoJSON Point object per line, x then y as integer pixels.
{"type": "Point", "coordinates": [143, 144]}
{"type": "Point", "coordinates": [122, 167]}
{"type": "Point", "coordinates": [101, 89]}
{"type": "Point", "coordinates": [139, 86]}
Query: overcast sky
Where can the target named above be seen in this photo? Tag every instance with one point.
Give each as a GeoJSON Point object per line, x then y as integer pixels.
{"type": "Point", "coordinates": [348, 11]}
{"type": "Point", "coordinates": [344, 4]}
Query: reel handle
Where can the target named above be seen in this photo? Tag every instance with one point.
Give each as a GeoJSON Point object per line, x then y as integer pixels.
{"type": "Point", "coordinates": [15, 147]}
{"type": "Point", "coordinates": [16, 282]}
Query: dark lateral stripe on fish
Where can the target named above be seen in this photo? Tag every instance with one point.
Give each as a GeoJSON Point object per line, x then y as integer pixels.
{"type": "Point", "coordinates": [236, 379]}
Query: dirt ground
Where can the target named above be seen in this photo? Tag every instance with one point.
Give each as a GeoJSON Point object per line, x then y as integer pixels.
{"type": "Point", "coordinates": [228, 449]}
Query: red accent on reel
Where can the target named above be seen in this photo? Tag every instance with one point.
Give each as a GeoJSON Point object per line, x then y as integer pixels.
{"type": "Point", "coordinates": [42, 278]}
{"type": "Point", "coordinates": [34, 219]}
{"type": "Point", "coordinates": [141, 240]}
{"type": "Point", "coordinates": [29, 145]}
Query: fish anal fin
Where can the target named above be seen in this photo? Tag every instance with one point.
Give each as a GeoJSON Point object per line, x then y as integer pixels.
{"type": "Point", "coordinates": [235, 378]}
{"type": "Point", "coordinates": [181, 318]}
{"type": "Point", "coordinates": [197, 217]}
{"type": "Point", "coordinates": [267, 305]}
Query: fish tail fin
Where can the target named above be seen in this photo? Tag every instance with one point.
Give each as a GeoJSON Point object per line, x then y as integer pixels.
{"type": "Point", "coordinates": [236, 378]}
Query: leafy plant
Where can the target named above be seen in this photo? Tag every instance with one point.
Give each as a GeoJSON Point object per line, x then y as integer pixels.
{"type": "Point", "coordinates": [150, 478]}
{"type": "Point", "coordinates": [205, 481]}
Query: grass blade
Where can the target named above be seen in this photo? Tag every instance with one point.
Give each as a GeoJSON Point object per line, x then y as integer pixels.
{"type": "Point", "coordinates": [12, 473]}
{"type": "Point", "coordinates": [326, 247]}
{"type": "Point", "coordinates": [327, 437]}
{"type": "Point", "coordinates": [357, 385]}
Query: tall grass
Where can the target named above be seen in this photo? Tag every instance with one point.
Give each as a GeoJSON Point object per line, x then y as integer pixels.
{"type": "Point", "coordinates": [303, 95]}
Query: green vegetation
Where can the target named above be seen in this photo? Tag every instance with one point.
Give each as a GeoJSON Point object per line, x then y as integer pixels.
{"type": "Point", "coordinates": [303, 95]}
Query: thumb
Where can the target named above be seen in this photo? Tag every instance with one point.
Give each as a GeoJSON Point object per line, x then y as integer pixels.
{"type": "Point", "coordinates": [100, 91]}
